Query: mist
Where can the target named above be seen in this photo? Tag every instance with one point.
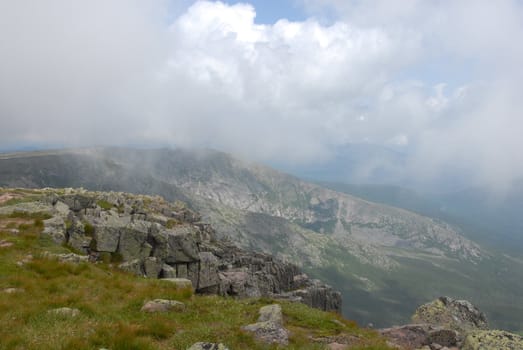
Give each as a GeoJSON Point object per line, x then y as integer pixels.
{"type": "Point", "coordinates": [438, 82]}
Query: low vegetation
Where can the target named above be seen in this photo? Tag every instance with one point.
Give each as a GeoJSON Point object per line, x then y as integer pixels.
{"type": "Point", "coordinates": [109, 301]}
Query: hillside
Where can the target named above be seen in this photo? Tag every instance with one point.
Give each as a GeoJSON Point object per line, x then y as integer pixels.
{"type": "Point", "coordinates": [383, 259]}
{"type": "Point", "coordinates": [57, 299]}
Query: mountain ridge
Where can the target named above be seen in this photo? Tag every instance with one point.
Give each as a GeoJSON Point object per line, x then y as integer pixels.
{"type": "Point", "coordinates": [262, 211]}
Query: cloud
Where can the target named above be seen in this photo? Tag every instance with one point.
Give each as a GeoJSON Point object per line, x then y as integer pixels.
{"type": "Point", "coordinates": [438, 80]}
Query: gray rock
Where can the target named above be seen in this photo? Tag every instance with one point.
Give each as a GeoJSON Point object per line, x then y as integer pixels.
{"type": "Point", "coordinates": [177, 245]}
{"type": "Point", "coordinates": [107, 238]}
{"type": "Point", "coordinates": [61, 209]}
{"type": "Point", "coordinates": [152, 267]}
{"type": "Point", "coordinates": [494, 339]}
{"type": "Point", "coordinates": [458, 315]}
{"type": "Point", "coordinates": [64, 312]}
{"type": "Point", "coordinates": [132, 241]}
{"type": "Point", "coordinates": [239, 283]}
{"type": "Point", "coordinates": [269, 328]}
{"type": "Point", "coordinates": [182, 270]}
{"type": "Point", "coordinates": [78, 202]}
{"type": "Point", "coordinates": [443, 337]}
{"type": "Point", "coordinates": [207, 346]}
{"type": "Point", "coordinates": [319, 296]}
{"type": "Point", "coordinates": [69, 257]}
{"type": "Point", "coordinates": [168, 271]}
{"type": "Point", "coordinates": [55, 228]}
{"type": "Point", "coordinates": [77, 238]}
{"type": "Point", "coordinates": [13, 290]}
{"type": "Point", "coordinates": [162, 305]}
{"type": "Point", "coordinates": [208, 270]}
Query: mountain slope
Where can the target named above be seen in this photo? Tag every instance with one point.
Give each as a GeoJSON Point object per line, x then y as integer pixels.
{"type": "Point", "coordinates": [54, 299]}
{"type": "Point", "coordinates": [383, 259]}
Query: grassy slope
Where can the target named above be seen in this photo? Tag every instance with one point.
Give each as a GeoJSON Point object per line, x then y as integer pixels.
{"type": "Point", "coordinates": [110, 303]}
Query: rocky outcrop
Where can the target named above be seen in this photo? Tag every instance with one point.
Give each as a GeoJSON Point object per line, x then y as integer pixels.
{"type": "Point", "coordinates": [269, 328]}
{"type": "Point", "coordinates": [499, 340]}
{"type": "Point", "coordinates": [446, 323]}
{"type": "Point", "coordinates": [151, 237]}
{"type": "Point", "coordinates": [446, 312]}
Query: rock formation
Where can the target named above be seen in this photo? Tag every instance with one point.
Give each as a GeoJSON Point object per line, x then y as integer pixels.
{"type": "Point", "coordinates": [151, 237]}
{"type": "Point", "coordinates": [446, 323]}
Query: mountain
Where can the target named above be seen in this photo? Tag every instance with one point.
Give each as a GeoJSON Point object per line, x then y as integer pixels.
{"type": "Point", "coordinates": [483, 215]}
{"type": "Point", "coordinates": [383, 259]}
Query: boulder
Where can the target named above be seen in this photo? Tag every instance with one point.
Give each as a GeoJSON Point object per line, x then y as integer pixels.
{"type": "Point", "coordinates": [168, 271]}
{"type": "Point", "coordinates": [152, 267]}
{"type": "Point", "coordinates": [162, 305]}
{"type": "Point", "coordinates": [107, 238]}
{"type": "Point", "coordinates": [64, 312]}
{"type": "Point", "coordinates": [177, 245]}
{"type": "Point", "coordinates": [319, 296]}
{"type": "Point", "coordinates": [78, 202]}
{"type": "Point", "coordinates": [55, 228]}
{"type": "Point", "coordinates": [208, 270]}
{"type": "Point", "coordinates": [458, 315]}
{"type": "Point", "coordinates": [493, 339]}
{"type": "Point", "coordinates": [133, 241]}
{"type": "Point", "coordinates": [68, 257]}
{"type": "Point", "coordinates": [269, 328]}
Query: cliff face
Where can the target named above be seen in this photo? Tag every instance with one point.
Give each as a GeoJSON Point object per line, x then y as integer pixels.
{"type": "Point", "coordinates": [151, 237]}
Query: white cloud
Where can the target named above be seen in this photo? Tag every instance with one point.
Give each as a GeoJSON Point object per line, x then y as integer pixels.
{"type": "Point", "coordinates": [440, 79]}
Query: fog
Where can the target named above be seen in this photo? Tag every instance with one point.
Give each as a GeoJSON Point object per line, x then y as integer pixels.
{"type": "Point", "coordinates": [437, 81]}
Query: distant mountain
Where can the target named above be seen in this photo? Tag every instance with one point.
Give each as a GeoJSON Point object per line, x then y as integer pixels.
{"type": "Point", "coordinates": [384, 259]}
{"type": "Point", "coordinates": [490, 218]}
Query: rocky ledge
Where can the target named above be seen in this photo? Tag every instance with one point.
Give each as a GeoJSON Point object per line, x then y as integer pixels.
{"type": "Point", "coordinates": [446, 323]}
{"type": "Point", "coordinates": [151, 237]}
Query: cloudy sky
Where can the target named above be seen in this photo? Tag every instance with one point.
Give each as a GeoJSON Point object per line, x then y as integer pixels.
{"type": "Point", "coordinates": [276, 81]}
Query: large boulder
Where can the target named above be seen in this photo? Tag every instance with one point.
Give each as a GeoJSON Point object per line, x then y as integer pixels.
{"type": "Point", "coordinates": [486, 340]}
{"type": "Point", "coordinates": [56, 229]}
{"type": "Point", "coordinates": [459, 315]}
{"type": "Point", "coordinates": [162, 305]}
{"type": "Point", "coordinates": [133, 241]}
{"type": "Point", "coordinates": [177, 245]}
{"type": "Point", "coordinates": [269, 328]}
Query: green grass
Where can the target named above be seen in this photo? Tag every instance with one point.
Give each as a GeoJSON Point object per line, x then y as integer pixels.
{"type": "Point", "coordinates": [110, 302]}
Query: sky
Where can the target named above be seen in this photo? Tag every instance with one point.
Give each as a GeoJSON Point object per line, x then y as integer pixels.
{"type": "Point", "coordinates": [275, 81]}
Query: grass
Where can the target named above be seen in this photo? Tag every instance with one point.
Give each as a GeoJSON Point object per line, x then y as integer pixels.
{"type": "Point", "coordinates": [110, 302]}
